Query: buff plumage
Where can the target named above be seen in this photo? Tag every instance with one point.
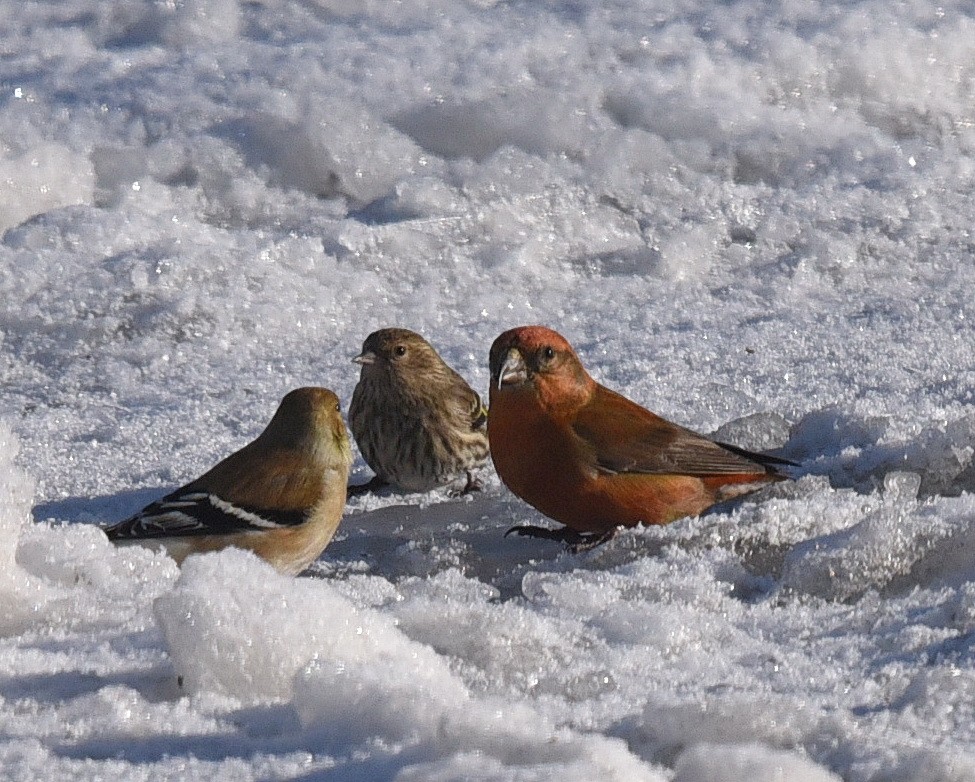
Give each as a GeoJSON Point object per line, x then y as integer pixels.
{"type": "Point", "coordinates": [281, 496]}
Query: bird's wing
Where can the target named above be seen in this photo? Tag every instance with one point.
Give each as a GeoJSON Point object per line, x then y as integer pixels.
{"type": "Point", "coordinates": [254, 489]}
{"type": "Point", "coordinates": [623, 437]}
{"type": "Point", "coordinates": [189, 512]}
{"type": "Point", "coordinates": [468, 402]}
{"type": "Point", "coordinates": [265, 479]}
{"type": "Point", "coordinates": [479, 412]}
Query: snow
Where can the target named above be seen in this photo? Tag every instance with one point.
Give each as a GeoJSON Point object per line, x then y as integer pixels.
{"type": "Point", "coordinates": [751, 217]}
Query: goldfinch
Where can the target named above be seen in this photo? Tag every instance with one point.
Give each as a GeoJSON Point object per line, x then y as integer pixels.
{"type": "Point", "coordinates": [416, 421]}
{"type": "Point", "coordinates": [281, 496]}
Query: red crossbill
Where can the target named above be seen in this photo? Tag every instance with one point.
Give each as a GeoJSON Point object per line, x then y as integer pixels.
{"type": "Point", "coordinates": [590, 458]}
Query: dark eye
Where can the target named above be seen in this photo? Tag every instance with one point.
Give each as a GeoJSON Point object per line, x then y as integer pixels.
{"type": "Point", "coordinates": [399, 351]}
{"type": "Point", "coordinates": [548, 354]}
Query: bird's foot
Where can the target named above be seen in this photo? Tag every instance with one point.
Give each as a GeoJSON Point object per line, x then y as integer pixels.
{"type": "Point", "coordinates": [592, 540]}
{"type": "Point", "coordinates": [365, 488]}
{"type": "Point", "coordinates": [576, 541]}
{"type": "Point", "coordinates": [473, 484]}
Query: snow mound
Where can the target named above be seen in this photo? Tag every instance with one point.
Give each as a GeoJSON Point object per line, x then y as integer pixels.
{"type": "Point", "coordinates": [355, 681]}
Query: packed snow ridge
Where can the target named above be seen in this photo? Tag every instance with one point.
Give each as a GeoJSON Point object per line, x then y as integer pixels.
{"type": "Point", "coordinates": [751, 218]}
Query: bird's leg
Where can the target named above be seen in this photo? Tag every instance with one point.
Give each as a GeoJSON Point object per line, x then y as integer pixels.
{"type": "Point", "coordinates": [576, 541]}
{"type": "Point", "coordinates": [363, 488]}
{"type": "Point", "coordinates": [473, 484]}
{"type": "Point", "coordinates": [593, 540]}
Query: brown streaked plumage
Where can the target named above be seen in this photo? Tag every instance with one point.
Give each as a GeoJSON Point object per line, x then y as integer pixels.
{"type": "Point", "coordinates": [417, 422]}
{"type": "Point", "coordinates": [281, 496]}
{"type": "Point", "coordinates": [590, 458]}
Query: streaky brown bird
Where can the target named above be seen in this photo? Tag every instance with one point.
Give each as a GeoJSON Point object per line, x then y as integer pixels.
{"type": "Point", "coordinates": [418, 424]}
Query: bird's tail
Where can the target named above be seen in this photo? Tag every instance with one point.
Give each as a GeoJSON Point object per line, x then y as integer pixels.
{"type": "Point", "coordinates": [772, 464]}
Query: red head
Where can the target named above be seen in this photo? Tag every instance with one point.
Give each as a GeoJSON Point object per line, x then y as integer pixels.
{"type": "Point", "coordinates": [540, 361]}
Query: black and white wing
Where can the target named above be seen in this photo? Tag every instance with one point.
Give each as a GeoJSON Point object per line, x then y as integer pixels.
{"type": "Point", "coordinates": [194, 512]}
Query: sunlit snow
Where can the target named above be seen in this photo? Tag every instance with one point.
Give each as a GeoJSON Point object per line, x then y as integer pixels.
{"type": "Point", "coordinates": [754, 218]}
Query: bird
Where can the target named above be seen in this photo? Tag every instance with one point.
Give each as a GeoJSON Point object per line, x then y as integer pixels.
{"type": "Point", "coordinates": [593, 460]}
{"type": "Point", "coordinates": [281, 496]}
{"type": "Point", "coordinates": [418, 424]}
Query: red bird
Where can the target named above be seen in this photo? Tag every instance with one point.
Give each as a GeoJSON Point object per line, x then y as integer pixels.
{"type": "Point", "coordinates": [590, 458]}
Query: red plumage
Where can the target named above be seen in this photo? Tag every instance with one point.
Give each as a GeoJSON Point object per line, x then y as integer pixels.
{"type": "Point", "coordinates": [591, 458]}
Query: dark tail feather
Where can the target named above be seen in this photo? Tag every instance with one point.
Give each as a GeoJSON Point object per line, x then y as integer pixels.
{"type": "Point", "coordinates": [772, 463]}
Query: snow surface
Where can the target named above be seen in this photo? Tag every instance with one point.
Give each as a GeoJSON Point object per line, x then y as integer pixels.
{"type": "Point", "coordinates": [753, 217]}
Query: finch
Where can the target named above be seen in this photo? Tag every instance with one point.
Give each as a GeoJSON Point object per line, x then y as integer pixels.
{"type": "Point", "coordinates": [590, 458]}
{"type": "Point", "coordinates": [281, 496]}
{"type": "Point", "coordinates": [416, 421]}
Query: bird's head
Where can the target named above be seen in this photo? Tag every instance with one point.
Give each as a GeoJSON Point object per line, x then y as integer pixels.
{"type": "Point", "coordinates": [311, 418]}
{"type": "Point", "coordinates": [399, 352]}
{"type": "Point", "coordinates": [535, 358]}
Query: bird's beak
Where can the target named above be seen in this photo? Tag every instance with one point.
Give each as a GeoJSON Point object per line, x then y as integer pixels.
{"type": "Point", "coordinates": [513, 370]}
{"type": "Point", "coordinates": [365, 358]}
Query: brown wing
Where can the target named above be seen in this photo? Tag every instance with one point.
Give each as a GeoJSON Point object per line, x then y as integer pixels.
{"type": "Point", "coordinates": [467, 401]}
{"type": "Point", "coordinates": [624, 437]}
{"type": "Point", "coordinates": [280, 479]}
{"type": "Point", "coordinates": [478, 412]}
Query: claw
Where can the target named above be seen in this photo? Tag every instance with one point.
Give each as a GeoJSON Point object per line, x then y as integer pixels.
{"type": "Point", "coordinates": [576, 541]}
